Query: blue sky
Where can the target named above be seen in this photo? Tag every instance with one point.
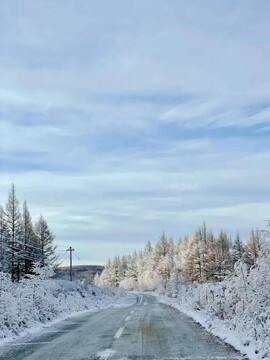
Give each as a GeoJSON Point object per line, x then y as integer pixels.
{"type": "Point", "coordinates": [121, 119]}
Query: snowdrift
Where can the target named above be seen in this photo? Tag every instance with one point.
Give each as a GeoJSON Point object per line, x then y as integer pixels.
{"type": "Point", "coordinates": [237, 310]}
{"type": "Point", "coordinates": [39, 300]}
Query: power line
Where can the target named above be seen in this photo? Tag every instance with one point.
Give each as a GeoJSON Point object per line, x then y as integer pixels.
{"type": "Point", "coordinates": [25, 244]}
{"type": "Point", "coordinates": [22, 256]}
{"type": "Point", "coordinates": [34, 247]}
{"type": "Point", "coordinates": [19, 253]}
{"type": "Point", "coordinates": [16, 251]}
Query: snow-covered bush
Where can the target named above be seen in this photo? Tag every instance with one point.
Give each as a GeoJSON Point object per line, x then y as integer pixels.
{"type": "Point", "coordinates": [237, 309]}
{"type": "Point", "coordinates": [128, 284]}
{"type": "Point", "coordinates": [40, 299]}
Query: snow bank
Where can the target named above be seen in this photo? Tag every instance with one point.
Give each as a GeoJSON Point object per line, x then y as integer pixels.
{"type": "Point", "coordinates": [40, 300]}
{"type": "Point", "coordinates": [236, 310]}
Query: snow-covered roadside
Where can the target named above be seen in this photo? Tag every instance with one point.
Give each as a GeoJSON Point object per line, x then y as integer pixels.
{"type": "Point", "coordinates": [214, 326]}
{"type": "Point", "coordinates": [26, 308]}
{"type": "Point", "coordinates": [225, 329]}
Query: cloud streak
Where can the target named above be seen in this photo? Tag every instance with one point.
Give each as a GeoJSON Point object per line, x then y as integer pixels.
{"type": "Point", "coordinates": [124, 119]}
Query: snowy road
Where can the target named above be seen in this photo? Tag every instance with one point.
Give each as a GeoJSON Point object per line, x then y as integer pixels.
{"type": "Point", "coordinates": [146, 330]}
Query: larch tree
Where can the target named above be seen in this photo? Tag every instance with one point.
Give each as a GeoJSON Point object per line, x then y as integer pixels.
{"type": "Point", "coordinates": [14, 229]}
{"type": "Point", "coordinates": [146, 266]}
{"type": "Point", "coordinates": [106, 276]}
{"type": "Point", "coordinates": [132, 270]}
{"type": "Point", "coordinates": [237, 249]}
{"type": "Point", "coordinates": [210, 258]}
{"type": "Point", "coordinates": [223, 258]}
{"type": "Point", "coordinates": [201, 258]}
{"type": "Point", "coordinates": [45, 237]}
{"type": "Point", "coordinates": [252, 248]}
{"type": "Point", "coordinates": [163, 259]}
{"type": "Point", "coordinates": [97, 281]}
{"type": "Point", "coordinates": [30, 240]}
{"type": "Point", "coordinates": [116, 272]}
{"type": "Point", "coordinates": [191, 265]}
{"type": "Point", "coordinates": [5, 253]}
{"type": "Point", "coordinates": [161, 249]}
{"type": "Point", "coordinates": [202, 251]}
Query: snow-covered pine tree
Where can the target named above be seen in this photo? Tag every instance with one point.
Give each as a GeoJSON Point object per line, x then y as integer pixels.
{"type": "Point", "coordinates": [145, 267]}
{"type": "Point", "coordinates": [14, 228]}
{"type": "Point", "coordinates": [191, 268]}
{"type": "Point", "coordinates": [105, 277]}
{"type": "Point", "coordinates": [97, 281]}
{"type": "Point", "coordinates": [141, 268]}
{"type": "Point", "coordinates": [223, 258]}
{"type": "Point", "coordinates": [116, 272]}
{"type": "Point", "coordinates": [45, 237]}
{"type": "Point", "coordinates": [210, 258]}
{"type": "Point", "coordinates": [237, 249]}
{"type": "Point", "coordinates": [252, 248]}
{"type": "Point", "coordinates": [124, 265]}
{"type": "Point", "coordinates": [5, 253]}
{"type": "Point", "coordinates": [163, 259]}
{"type": "Point", "coordinates": [30, 240]}
{"type": "Point", "coordinates": [132, 270]}
{"type": "Point", "coordinates": [161, 249]}
{"type": "Point", "coordinates": [179, 257]}
{"type": "Point", "coordinates": [202, 244]}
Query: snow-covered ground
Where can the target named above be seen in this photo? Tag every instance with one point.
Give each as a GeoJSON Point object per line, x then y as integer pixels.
{"type": "Point", "coordinates": [28, 306]}
{"type": "Point", "coordinates": [243, 324]}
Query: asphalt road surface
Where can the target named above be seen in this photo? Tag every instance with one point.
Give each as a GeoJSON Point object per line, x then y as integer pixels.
{"type": "Point", "coordinates": [146, 330]}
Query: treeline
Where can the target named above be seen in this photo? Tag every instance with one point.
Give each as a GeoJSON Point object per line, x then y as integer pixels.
{"type": "Point", "coordinates": [200, 258]}
{"type": "Point", "coordinates": [22, 243]}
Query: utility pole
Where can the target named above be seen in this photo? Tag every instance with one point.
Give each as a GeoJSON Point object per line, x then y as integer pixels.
{"type": "Point", "coordinates": [70, 262]}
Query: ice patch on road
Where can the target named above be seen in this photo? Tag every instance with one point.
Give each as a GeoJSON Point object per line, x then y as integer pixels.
{"type": "Point", "coordinates": [104, 355]}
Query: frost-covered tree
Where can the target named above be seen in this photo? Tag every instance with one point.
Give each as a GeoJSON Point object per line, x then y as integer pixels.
{"type": "Point", "coordinates": [106, 276]}
{"type": "Point", "coordinates": [97, 281]}
{"type": "Point", "coordinates": [163, 257]}
{"type": "Point", "coordinates": [5, 253]}
{"type": "Point", "coordinates": [223, 258]}
{"type": "Point", "coordinates": [161, 249]}
{"type": "Point", "coordinates": [145, 267]}
{"type": "Point", "coordinates": [116, 272]}
{"type": "Point", "coordinates": [14, 229]}
{"type": "Point", "coordinates": [112, 273]}
{"type": "Point", "coordinates": [199, 261]}
{"type": "Point", "coordinates": [201, 258]}
{"type": "Point", "coordinates": [179, 257]}
{"type": "Point", "coordinates": [202, 251]}
{"type": "Point", "coordinates": [210, 259]}
{"type": "Point", "coordinates": [252, 248]}
{"type": "Point", "coordinates": [132, 269]}
{"type": "Point", "coordinates": [45, 243]}
{"type": "Point", "coordinates": [237, 249]}
{"type": "Point", "coordinates": [192, 268]}
{"type": "Point", "coordinates": [23, 246]}
{"type": "Point", "coordinates": [30, 241]}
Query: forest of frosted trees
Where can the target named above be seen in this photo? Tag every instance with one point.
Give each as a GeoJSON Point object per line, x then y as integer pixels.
{"type": "Point", "coordinates": [222, 283]}
{"type": "Point", "coordinates": [29, 296]}
{"type": "Point", "coordinates": [200, 258]}
{"type": "Point", "coordinates": [23, 245]}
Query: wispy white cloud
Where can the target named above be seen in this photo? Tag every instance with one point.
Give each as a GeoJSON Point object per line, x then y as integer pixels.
{"type": "Point", "coordinates": [123, 119]}
{"type": "Point", "coordinates": [217, 112]}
